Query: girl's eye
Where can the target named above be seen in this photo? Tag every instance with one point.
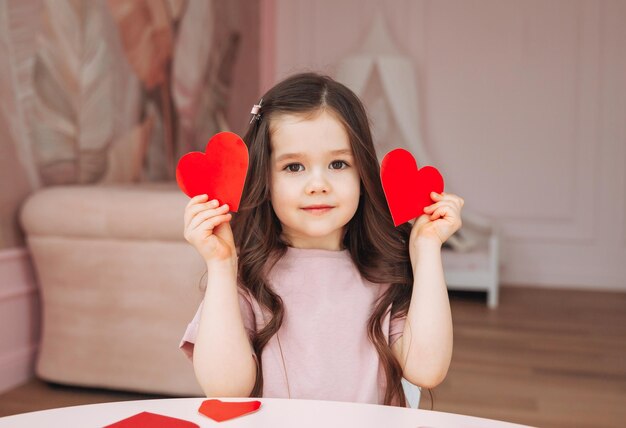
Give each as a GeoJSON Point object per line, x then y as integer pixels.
{"type": "Point", "coordinates": [294, 167]}
{"type": "Point", "coordinates": [338, 164]}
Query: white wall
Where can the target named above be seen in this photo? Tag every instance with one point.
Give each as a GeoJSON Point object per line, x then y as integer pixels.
{"type": "Point", "coordinates": [523, 111]}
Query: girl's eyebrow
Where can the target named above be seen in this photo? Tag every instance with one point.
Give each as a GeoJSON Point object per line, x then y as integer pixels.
{"type": "Point", "coordinates": [301, 155]}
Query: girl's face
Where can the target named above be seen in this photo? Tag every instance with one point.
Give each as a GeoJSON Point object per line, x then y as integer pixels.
{"type": "Point", "coordinates": [315, 186]}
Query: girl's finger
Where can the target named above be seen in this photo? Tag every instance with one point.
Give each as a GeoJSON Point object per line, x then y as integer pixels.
{"type": "Point", "coordinates": [436, 196]}
{"type": "Point", "coordinates": [211, 223]}
{"type": "Point", "coordinates": [440, 212]}
{"type": "Point", "coordinates": [431, 207]}
{"type": "Point", "coordinates": [193, 202]}
{"type": "Point", "coordinates": [453, 198]}
{"type": "Point", "coordinates": [196, 199]}
{"type": "Point", "coordinates": [210, 210]}
{"type": "Point", "coordinates": [434, 206]}
{"type": "Point", "coordinates": [207, 214]}
{"type": "Point", "coordinates": [194, 210]}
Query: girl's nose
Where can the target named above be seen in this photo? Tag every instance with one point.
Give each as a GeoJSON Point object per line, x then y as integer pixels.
{"type": "Point", "coordinates": [317, 183]}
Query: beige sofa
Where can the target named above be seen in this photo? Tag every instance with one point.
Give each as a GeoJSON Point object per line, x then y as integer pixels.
{"type": "Point", "coordinates": [118, 285]}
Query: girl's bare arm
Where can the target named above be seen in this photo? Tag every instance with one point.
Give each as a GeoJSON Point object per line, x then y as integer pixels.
{"type": "Point", "coordinates": [222, 357]}
{"type": "Point", "coordinates": [425, 348]}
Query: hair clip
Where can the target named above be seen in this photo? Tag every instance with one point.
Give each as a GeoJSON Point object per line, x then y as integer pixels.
{"type": "Point", "coordinates": [255, 111]}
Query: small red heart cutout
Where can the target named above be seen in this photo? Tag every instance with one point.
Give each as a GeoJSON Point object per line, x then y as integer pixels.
{"type": "Point", "coordinates": [406, 187]}
{"type": "Point", "coordinates": [224, 410]}
{"type": "Point", "coordinates": [220, 172]}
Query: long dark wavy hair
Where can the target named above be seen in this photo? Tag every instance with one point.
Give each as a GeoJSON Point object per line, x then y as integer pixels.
{"type": "Point", "coordinates": [378, 249]}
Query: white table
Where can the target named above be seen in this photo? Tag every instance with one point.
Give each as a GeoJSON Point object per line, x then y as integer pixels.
{"type": "Point", "coordinates": [274, 413]}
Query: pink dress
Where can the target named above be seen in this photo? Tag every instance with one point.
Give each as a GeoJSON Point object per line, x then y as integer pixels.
{"type": "Point", "coordinates": [327, 353]}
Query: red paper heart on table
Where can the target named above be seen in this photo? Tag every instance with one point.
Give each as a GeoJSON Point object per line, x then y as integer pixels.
{"type": "Point", "coordinates": [153, 420]}
{"type": "Point", "coordinates": [220, 172]}
{"type": "Point", "coordinates": [406, 187]}
{"type": "Point", "coordinates": [224, 410]}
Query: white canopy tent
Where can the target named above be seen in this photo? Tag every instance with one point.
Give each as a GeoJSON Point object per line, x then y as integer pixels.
{"type": "Point", "coordinates": [385, 80]}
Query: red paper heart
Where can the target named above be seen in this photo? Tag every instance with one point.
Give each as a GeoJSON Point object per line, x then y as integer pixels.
{"type": "Point", "coordinates": [220, 173]}
{"type": "Point", "coordinates": [224, 410]}
{"type": "Point", "coordinates": [153, 420]}
{"type": "Point", "coordinates": [407, 189]}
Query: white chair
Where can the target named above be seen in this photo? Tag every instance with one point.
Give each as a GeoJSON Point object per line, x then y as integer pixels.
{"type": "Point", "coordinates": [472, 259]}
{"type": "Point", "coordinates": [412, 393]}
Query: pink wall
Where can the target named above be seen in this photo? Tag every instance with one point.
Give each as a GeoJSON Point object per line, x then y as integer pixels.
{"type": "Point", "coordinates": [523, 107]}
{"type": "Point", "coordinates": [19, 318]}
{"type": "Point", "coordinates": [267, 45]}
{"type": "Point", "coordinates": [246, 79]}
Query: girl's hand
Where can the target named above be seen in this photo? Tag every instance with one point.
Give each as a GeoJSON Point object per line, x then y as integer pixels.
{"type": "Point", "coordinates": [439, 221]}
{"type": "Point", "coordinates": [207, 228]}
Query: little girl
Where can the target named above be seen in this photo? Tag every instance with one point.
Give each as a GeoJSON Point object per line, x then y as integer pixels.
{"type": "Point", "coordinates": [314, 293]}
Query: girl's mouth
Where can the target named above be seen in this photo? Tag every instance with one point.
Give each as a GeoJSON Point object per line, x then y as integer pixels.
{"type": "Point", "coordinates": [317, 209]}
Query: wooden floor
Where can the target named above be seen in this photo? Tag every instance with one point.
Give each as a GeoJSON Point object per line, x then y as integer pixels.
{"type": "Point", "coordinates": [546, 358]}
